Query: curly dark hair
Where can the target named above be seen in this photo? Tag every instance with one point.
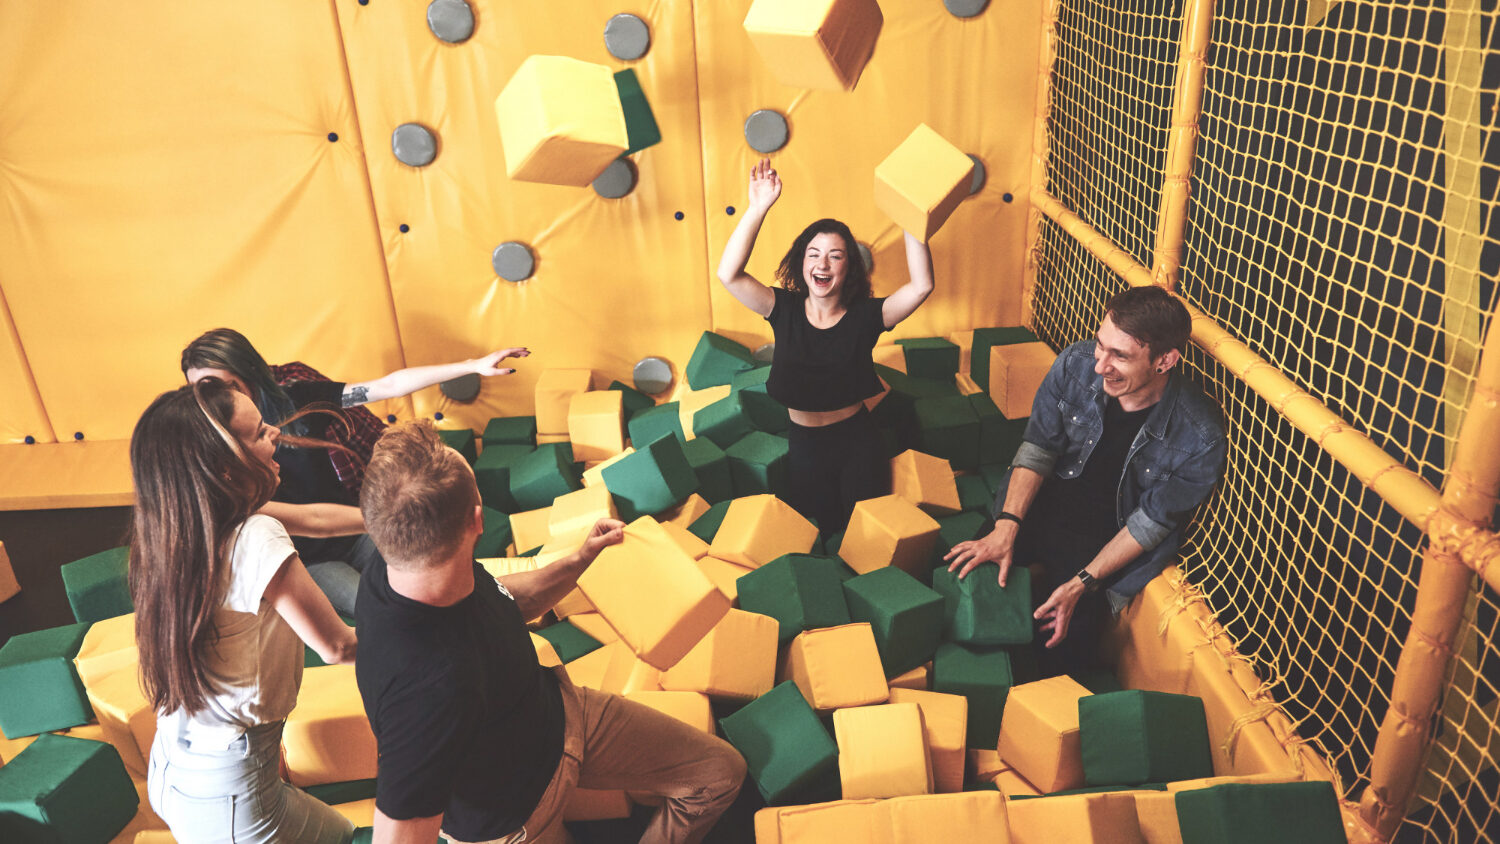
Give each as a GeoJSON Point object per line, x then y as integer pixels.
{"type": "Point", "coordinates": [856, 278]}
{"type": "Point", "coordinates": [1153, 316]}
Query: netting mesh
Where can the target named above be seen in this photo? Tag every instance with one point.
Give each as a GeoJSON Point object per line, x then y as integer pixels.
{"type": "Point", "coordinates": [1342, 225]}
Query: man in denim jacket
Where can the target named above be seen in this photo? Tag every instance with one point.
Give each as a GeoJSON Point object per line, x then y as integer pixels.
{"type": "Point", "coordinates": [1119, 451]}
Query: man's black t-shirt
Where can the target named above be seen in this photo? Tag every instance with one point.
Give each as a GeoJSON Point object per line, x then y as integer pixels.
{"type": "Point", "coordinates": [307, 475]}
{"type": "Point", "coordinates": [467, 722]}
{"type": "Point", "coordinates": [818, 369]}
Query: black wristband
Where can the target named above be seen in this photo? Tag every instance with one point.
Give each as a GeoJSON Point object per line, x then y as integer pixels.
{"type": "Point", "coordinates": [1090, 583]}
{"type": "Point", "coordinates": [1008, 517]}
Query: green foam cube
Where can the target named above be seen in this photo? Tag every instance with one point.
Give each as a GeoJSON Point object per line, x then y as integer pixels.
{"type": "Point", "coordinates": [979, 351]}
{"type": "Point", "coordinates": [641, 130]}
{"type": "Point", "coordinates": [766, 413]}
{"type": "Point", "coordinates": [39, 687]}
{"type": "Point", "coordinates": [98, 586]}
{"type": "Point", "coordinates": [800, 591]}
{"type": "Point", "coordinates": [492, 474]}
{"type": "Point", "coordinates": [930, 357]}
{"type": "Point", "coordinates": [974, 494]}
{"type": "Point", "coordinates": [905, 616]}
{"type": "Point", "coordinates": [569, 642]}
{"type": "Point", "coordinates": [633, 401]}
{"type": "Point", "coordinates": [983, 676]}
{"type": "Point", "coordinates": [541, 476]}
{"type": "Point", "coordinates": [787, 750]}
{"type": "Point", "coordinates": [1136, 736]}
{"type": "Point", "coordinates": [757, 464]}
{"type": "Point", "coordinates": [65, 790]}
{"type": "Point", "coordinates": [960, 527]}
{"type": "Point", "coordinates": [462, 441]}
{"type": "Point", "coordinates": [914, 387]}
{"type": "Point", "coordinates": [653, 423]}
{"type": "Point", "coordinates": [706, 526]}
{"type": "Point", "coordinates": [510, 430]}
{"type": "Point", "coordinates": [711, 465]}
{"type": "Point", "coordinates": [650, 479]}
{"type": "Point", "coordinates": [1260, 813]}
{"type": "Point", "coordinates": [725, 421]}
{"type": "Point", "coordinates": [948, 427]}
{"type": "Point", "coordinates": [715, 361]}
{"type": "Point", "coordinates": [497, 534]}
{"type": "Point", "coordinates": [978, 611]}
{"type": "Point", "coordinates": [998, 437]}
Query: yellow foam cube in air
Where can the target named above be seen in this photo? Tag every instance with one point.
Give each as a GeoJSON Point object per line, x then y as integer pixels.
{"type": "Point", "coordinates": [626, 673]}
{"type": "Point", "coordinates": [327, 737]}
{"type": "Point", "coordinates": [686, 513]}
{"type": "Point", "coordinates": [596, 804]}
{"type": "Point", "coordinates": [837, 666]}
{"type": "Point", "coordinates": [1016, 371]}
{"type": "Point", "coordinates": [596, 424]}
{"type": "Point", "coordinates": [561, 121]}
{"type": "Point", "coordinates": [736, 660]}
{"type": "Point", "coordinates": [922, 181]}
{"type": "Point", "coordinates": [555, 390]}
{"type": "Point", "coordinates": [925, 481]}
{"type": "Point", "coordinates": [913, 679]}
{"type": "Point", "coordinates": [889, 530]}
{"type": "Point", "coordinates": [653, 594]}
{"type": "Point", "coordinates": [594, 474]}
{"type": "Point", "coordinates": [594, 624]}
{"type": "Point", "coordinates": [969, 816]}
{"type": "Point", "coordinates": [546, 655]}
{"type": "Point", "coordinates": [691, 708]}
{"type": "Point", "coordinates": [686, 540]}
{"type": "Point", "coordinates": [1039, 733]}
{"type": "Point", "coordinates": [9, 586]}
{"type": "Point", "coordinates": [945, 722]}
{"type": "Point", "coordinates": [124, 713]}
{"type": "Point", "coordinates": [691, 401]}
{"type": "Point", "coordinates": [724, 574]}
{"type": "Point", "coordinates": [107, 646]}
{"type": "Point", "coordinates": [531, 528]}
{"type": "Point", "coordinates": [882, 751]}
{"type": "Point", "coordinates": [821, 44]}
{"type": "Point", "coordinates": [759, 528]}
{"type": "Point", "coordinates": [1107, 818]}
{"type": "Point", "coordinates": [573, 515]}
{"type": "Point", "coordinates": [836, 822]}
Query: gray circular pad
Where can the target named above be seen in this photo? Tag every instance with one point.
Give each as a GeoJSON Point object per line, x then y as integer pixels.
{"type": "Point", "coordinates": [766, 130]}
{"type": "Point", "coordinates": [414, 144]}
{"type": "Point", "coordinates": [866, 258]}
{"type": "Point", "coordinates": [513, 261]}
{"type": "Point", "coordinates": [617, 180]}
{"type": "Point", "coordinates": [976, 181]}
{"type": "Point", "coordinates": [652, 375]}
{"type": "Point", "coordinates": [463, 388]}
{"type": "Point", "coordinates": [450, 20]}
{"type": "Point", "coordinates": [765, 353]}
{"type": "Point", "coordinates": [627, 37]}
{"type": "Point", "coordinates": [965, 8]}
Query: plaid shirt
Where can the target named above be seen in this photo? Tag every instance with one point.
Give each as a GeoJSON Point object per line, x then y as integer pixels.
{"type": "Point", "coordinates": [359, 433]}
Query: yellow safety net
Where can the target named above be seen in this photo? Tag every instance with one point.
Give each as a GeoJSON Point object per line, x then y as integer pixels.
{"type": "Point", "coordinates": [1343, 182]}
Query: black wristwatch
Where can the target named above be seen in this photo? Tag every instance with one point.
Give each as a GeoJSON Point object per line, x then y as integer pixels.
{"type": "Point", "coordinates": [1090, 583]}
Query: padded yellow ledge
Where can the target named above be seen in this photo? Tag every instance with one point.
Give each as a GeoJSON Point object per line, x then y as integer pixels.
{"type": "Point", "coordinates": [561, 122]}
{"type": "Point", "coordinates": [882, 751]}
{"type": "Point", "coordinates": [837, 666]}
{"type": "Point", "coordinates": [889, 530]}
{"type": "Point", "coordinates": [945, 723]}
{"type": "Point", "coordinates": [837, 822]}
{"type": "Point", "coordinates": [1016, 371]}
{"type": "Point", "coordinates": [554, 395]}
{"type": "Point", "coordinates": [736, 660]}
{"type": "Point", "coordinates": [48, 476]}
{"type": "Point", "coordinates": [1106, 818]}
{"type": "Point", "coordinates": [971, 816]}
{"type": "Point", "coordinates": [925, 481]}
{"type": "Point", "coordinates": [596, 424]}
{"type": "Point", "coordinates": [920, 184]}
{"type": "Point", "coordinates": [327, 737]}
{"type": "Point", "coordinates": [759, 528]}
{"type": "Point", "coordinates": [1039, 733]}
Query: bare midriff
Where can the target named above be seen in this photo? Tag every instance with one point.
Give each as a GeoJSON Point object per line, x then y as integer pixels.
{"type": "Point", "coordinates": [822, 418]}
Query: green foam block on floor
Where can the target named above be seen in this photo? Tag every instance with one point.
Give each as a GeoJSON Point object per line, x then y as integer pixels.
{"type": "Point", "coordinates": [510, 430]}
{"type": "Point", "coordinates": [97, 585]}
{"type": "Point", "coordinates": [541, 476]}
{"type": "Point", "coordinates": [653, 423]}
{"type": "Point", "coordinates": [492, 474]}
{"type": "Point", "coordinates": [39, 687]}
{"type": "Point", "coordinates": [766, 413]}
{"type": "Point", "coordinates": [974, 494]}
{"type": "Point", "coordinates": [800, 591]}
{"type": "Point", "coordinates": [786, 748]}
{"type": "Point", "coordinates": [984, 339]}
{"type": "Point", "coordinates": [998, 437]}
{"type": "Point", "coordinates": [633, 401]}
{"type": "Point", "coordinates": [63, 790]}
{"type": "Point", "coordinates": [930, 357]}
{"type": "Point", "coordinates": [497, 534]}
{"type": "Point", "coordinates": [905, 616]}
{"type": "Point", "coordinates": [981, 675]}
{"type": "Point", "coordinates": [725, 421]}
{"type": "Point", "coordinates": [948, 427]}
{"type": "Point", "coordinates": [569, 642]}
{"type": "Point", "coordinates": [914, 386]}
{"type": "Point", "coordinates": [462, 441]}
{"type": "Point", "coordinates": [706, 526]}
{"type": "Point", "coordinates": [641, 130]}
{"type": "Point", "coordinates": [960, 527]}
{"type": "Point", "coordinates": [757, 464]}
{"type": "Point", "coordinates": [716, 360]}
{"type": "Point", "coordinates": [1134, 736]}
{"type": "Point", "coordinates": [334, 793]}
{"type": "Point", "coordinates": [978, 611]}
{"type": "Point", "coordinates": [1260, 813]}
{"type": "Point", "coordinates": [650, 479]}
{"type": "Point", "coordinates": [711, 465]}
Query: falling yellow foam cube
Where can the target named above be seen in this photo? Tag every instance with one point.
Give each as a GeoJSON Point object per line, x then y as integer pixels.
{"type": "Point", "coordinates": [561, 121]}
{"type": "Point", "coordinates": [922, 181]}
{"type": "Point", "coordinates": [1039, 733]}
{"type": "Point", "coordinates": [945, 720]}
{"type": "Point", "coordinates": [596, 424]}
{"type": "Point", "coordinates": [925, 481]}
{"type": "Point", "coordinates": [837, 666]}
{"type": "Point", "coordinates": [736, 660]}
{"type": "Point", "coordinates": [573, 515]}
{"type": "Point", "coordinates": [821, 44]}
{"type": "Point", "coordinates": [836, 822]}
{"type": "Point", "coordinates": [759, 528]}
{"type": "Point", "coordinates": [889, 530]}
{"type": "Point", "coordinates": [1081, 818]}
{"type": "Point", "coordinates": [691, 708]}
{"type": "Point", "coordinates": [327, 737]}
{"type": "Point", "coordinates": [1016, 371]}
{"type": "Point", "coordinates": [555, 390]}
{"type": "Point", "coordinates": [968, 816]}
{"type": "Point", "coordinates": [882, 751]}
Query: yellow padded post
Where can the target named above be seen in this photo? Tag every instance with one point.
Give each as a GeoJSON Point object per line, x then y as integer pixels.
{"type": "Point", "coordinates": [561, 121]}
{"type": "Point", "coordinates": [9, 586]}
{"type": "Point", "coordinates": [124, 714]}
{"type": "Point", "coordinates": [686, 513]}
{"type": "Point", "coordinates": [837, 666]}
{"type": "Point", "coordinates": [1016, 371]}
{"type": "Point", "coordinates": [1039, 733]}
{"type": "Point", "coordinates": [688, 541]}
{"type": "Point", "coordinates": [836, 822]}
{"type": "Point", "coordinates": [724, 574]}
{"type": "Point", "coordinates": [945, 723]}
{"type": "Point", "coordinates": [882, 751]}
{"type": "Point", "coordinates": [736, 660]}
{"type": "Point", "coordinates": [925, 481]}
{"type": "Point", "coordinates": [821, 44]}
{"type": "Point", "coordinates": [594, 624]}
{"type": "Point", "coordinates": [970, 816]}
{"type": "Point", "coordinates": [596, 424]}
{"type": "Point", "coordinates": [889, 530]}
{"type": "Point", "coordinates": [554, 395]}
{"type": "Point", "coordinates": [922, 181]}
{"type": "Point", "coordinates": [917, 678]}
{"type": "Point", "coordinates": [572, 515]}
{"type": "Point", "coordinates": [691, 708]}
{"type": "Point", "coordinates": [759, 528]}
{"type": "Point", "coordinates": [107, 646]}
{"type": "Point", "coordinates": [653, 594]}
{"type": "Point", "coordinates": [327, 737]}
{"type": "Point", "coordinates": [1107, 818]}
{"type": "Point", "coordinates": [545, 653]}
{"type": "Point", "coordinates": [593, 475]}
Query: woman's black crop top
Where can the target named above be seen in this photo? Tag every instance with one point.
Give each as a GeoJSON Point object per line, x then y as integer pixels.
{"type": "Point", "coordinates": [819, 369]}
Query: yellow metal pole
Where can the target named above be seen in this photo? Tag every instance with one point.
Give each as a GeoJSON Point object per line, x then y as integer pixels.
{"type": "Point", "coordinates": [1040, 150]}
{"type": "Point", "coordinates": [1182, 142]}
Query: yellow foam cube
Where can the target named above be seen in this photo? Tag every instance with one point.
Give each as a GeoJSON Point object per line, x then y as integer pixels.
{"type": "Point", "coordinates": [1039, 733]}
{"type": "Point", "coordinates": [889, 530]}
{"type": "Point", "coordinates": [107, 646]}
{"type": "Point", "coordinates": [882, 751]}
{"type": "Point", "coordinates": [589, 670]}
{"type": "Point", "coordinates": [890, 355]}
{"type": "Point", "coordinates": [966, 385]}
{"type": "Point", "coordinates": [1012, 784]}
{"type": "Point", "coordinates": [594, 624]}
{"type": "Point", "coordinates": [653, 594]}
{"type": "Point", "coordinates": [593, 475]}
{"type": "Point", "coordinates": [9, 586]}
{"type": "Point", "coordinates": [532, 528]}
{"type": "Point", "coordinates": [913, 679]}
{"type": "Point", "coordinates": [561, 121]}
{"type": "Point", "coordinates": [922, 181]}
{"type": "Point", "coordinates": [545, 653]}
{"type": "Point", "coordinates": [692, 401]}
{"type": "Point", "coordinates": [985, 764]}
{"type": "Point", "coordinates": [736, 660]}
{"type": "Point", "coordinates": [759, 528]}
{"type": "Point", "coordinates": [596, 424]}
{"type": "Point", "coordinates": [837, 666]}
{"type": "Point", "coordinates": [124, 714]}
{"type": "Point", "coordinates": [691, 708]}
{"type": "Point", "coordinates": [970, 816]}
{"type": "Point", "coordinates": [155, 836]}
{"type": "Point", "coordinates": [945, 722]}
{"type": "Point", "coordinates": [686, 513]}
{"type": "Point", "coordinates": [327, 737]}
{"type": "Point", "coordinates": [1016, 371]}
{"type": "Point", "coordinates": [572, 515]}
{"type": "Point", "coordinates": [925, 481]}
{"type": "Point", "coordinates": [593, 804]}
{"type": "Point", "coordinates": [821, 44]}
{"type": "Point", "coordinates": [501, 566]}
{"type": "Point", "coordinates": [554, 395]}
{"type": "Point", "coordinates": [1107, 818]}
{"type": "Point", "coordinates": [626, 673]}
{"type": "Point", "coordinates": [358, 812]}
{"type": "Point", "coordinates": [1156, 813]}
{"type": "Point", "coordinates": [545, 439]}
{"type": "Point", "coordinates": [836, 822]}
{"type": "Point", "coordinates": [1236, 779]}
{"type": "Point", "coordinates": [686, 540]}
{"type": "Point", "coordinates": [725, 575]}
{"type": "Point", "coordinates": [572, 604]}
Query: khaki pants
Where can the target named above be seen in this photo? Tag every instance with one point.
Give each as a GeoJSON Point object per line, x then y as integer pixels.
{"type": "Point", "coordinates": [612, 743]}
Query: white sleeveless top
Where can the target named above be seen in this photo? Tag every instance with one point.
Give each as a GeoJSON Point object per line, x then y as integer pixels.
{"type": "Point", "coordinates": [255, 666]}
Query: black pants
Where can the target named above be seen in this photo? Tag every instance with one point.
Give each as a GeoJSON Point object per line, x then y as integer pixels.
{"type": "Point", "coordinates": [831, 467]}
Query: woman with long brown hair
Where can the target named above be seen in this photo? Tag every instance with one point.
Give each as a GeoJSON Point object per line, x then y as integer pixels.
{"type": "Point", "coordinates": [223, 606]}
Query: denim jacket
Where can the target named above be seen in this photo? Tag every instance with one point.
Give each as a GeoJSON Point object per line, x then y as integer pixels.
{"type": "Point", "coordinates": [1170, 469]}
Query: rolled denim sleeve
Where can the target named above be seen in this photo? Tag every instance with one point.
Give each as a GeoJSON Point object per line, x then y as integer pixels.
{"type": "Point", "coordinates": [1163, 508]}
{"type": "Point", "coordinates": [1045, 438]}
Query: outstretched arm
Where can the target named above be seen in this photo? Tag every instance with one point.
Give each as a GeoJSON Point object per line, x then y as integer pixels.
{"type": "Point", "coordinates": [914, 292]}
{"type": "Point", "coordinates": [316, 520]}
{"type": "Point", "coordinates": [765, 188]}
{"type": "Point", "coordinates": [536, 591]}
{"type": "Point", "coordinates": [297, 599]}
{"type": "Point", "coordinates": [404, 382]}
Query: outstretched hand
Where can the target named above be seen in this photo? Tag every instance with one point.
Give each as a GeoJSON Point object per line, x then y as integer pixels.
{"type": "Point", "coordinates": [488, 365]}
{"type": "Point", "coordinates": [1057, 613]}
{"type": "Point", "coordinates": [994, 547]}
{"type": "Point", "coordinates": [606, 532]}
{"type": "Point", "coordinates": [765, 185]}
